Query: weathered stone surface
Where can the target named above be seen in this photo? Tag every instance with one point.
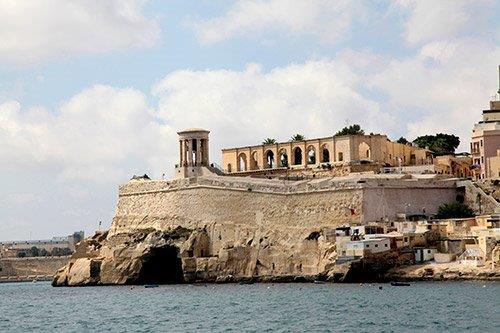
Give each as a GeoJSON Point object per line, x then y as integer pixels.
{"type": "Point", "coordinates": [238, 229]}
{"type": "Point", "coordinates": [440, 272]}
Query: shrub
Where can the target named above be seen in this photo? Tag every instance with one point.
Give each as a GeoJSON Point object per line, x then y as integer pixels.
{"type": "Point", "coordinates": [454, 210]}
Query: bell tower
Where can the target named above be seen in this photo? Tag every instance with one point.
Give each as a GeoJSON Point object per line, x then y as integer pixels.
{"type": "Point", "coordinates": [193, 153]}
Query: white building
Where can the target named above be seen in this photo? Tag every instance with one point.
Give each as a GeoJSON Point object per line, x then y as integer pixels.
{"type": "Point", "coordinates": [361, 247]}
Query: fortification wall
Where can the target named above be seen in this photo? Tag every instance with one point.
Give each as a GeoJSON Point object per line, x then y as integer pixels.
{"type": "Point", "coordinates": [23, 267]}
{"type": "Point", "coordinates": [197, 205]}
{"type": "Point", "coordinates": [380, 202]}
{"type": "Point", "coordinates": [235, 209]}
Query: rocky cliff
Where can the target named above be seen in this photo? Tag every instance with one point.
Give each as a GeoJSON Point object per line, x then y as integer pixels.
{"type": "Point", "coordinates": [233, 229]}
{"type": "Point", "coordinates": [181, 255]}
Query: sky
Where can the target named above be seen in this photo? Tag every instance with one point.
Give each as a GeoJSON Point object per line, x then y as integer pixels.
{"type": "Point", "coordinates": [93, 92]}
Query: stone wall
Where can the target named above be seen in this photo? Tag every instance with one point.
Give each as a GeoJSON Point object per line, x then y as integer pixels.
{"type": "Point", "coordinates": [246, 204]}
{"type": "Point", "coordinates": [474, 196]}
{"type": "Point", "coordinates": [237, 228]}
{"type": "Point", "coordinates": [31, 266]}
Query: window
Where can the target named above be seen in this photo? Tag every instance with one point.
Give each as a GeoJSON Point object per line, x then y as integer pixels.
{"type": "Point", "coordinates": [482, 159]}
{"type": "Point", "coordinates": [385, 245]}
{"type": "Point", "coordinates": [367, 245]}
{"type": "Point", "coordinates": [428, 251]}
{"type": "Point", "coordinates": [341, 157]}
{"type": "Point", "coordinates": [481, 143]}
{"type": "Point", "coordinates": [376, 245]}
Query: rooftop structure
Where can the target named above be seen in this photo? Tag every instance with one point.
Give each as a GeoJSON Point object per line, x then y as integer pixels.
{"type": "Point", "coordinates": [193, 153]}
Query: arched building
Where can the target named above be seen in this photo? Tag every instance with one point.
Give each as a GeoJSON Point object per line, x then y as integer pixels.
{"type": "Point", "coordinates": [367, 152]}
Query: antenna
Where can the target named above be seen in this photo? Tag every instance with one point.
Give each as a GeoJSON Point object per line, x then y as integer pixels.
{"type": "Point", "coordinates": [499, 82]}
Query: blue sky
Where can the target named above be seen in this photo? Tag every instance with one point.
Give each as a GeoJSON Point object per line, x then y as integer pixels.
{"type": "Point", "coordinates": [92, 92]}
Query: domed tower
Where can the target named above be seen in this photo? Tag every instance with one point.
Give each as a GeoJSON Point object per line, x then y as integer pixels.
{"type": "Point", "coordinates": [193, 153]}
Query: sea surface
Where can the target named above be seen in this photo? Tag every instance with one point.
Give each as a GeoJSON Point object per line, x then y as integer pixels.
{"type": "Point", "coordinates": [422, 307]}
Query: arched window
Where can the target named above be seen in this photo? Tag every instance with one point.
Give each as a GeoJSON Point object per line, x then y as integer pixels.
{"type": "Point", "coordinates": [341, 156]}
{"type": "Point", "coordinates": [242, 162]}
{"type": "Point", "coordinates": [229, 167]}
{"type": "Point", "coordinates": [311, 155]}
{"type": "Point", "coordinates": [297, 156]}
{"type": "Point", "coordinates": [283, 158]}
{"type": "Point", "coordinates": [270, 159]}
{"type": "Point", "coordinates": [325, 155]}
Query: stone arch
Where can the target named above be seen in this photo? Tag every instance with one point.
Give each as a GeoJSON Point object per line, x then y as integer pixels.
{"type": "Point", "coordinates": [270, 159]}
{"type": "Point", "coordinates": [311, 155]}
{"type": "Point", "coordinates": [297, 156]}
{"type": "Point", "coordinates": [283, 158]}
{"type": "Point", "coordinates": [254, 165]}
{"type": "Point", "coordinates": [229, 167]}
{"type": "Point", "coordinates": [364, 151]}
{"type": "Point", "coordinates": [325, 154]}
{"type": "Point", "coordinates": [242, 162]}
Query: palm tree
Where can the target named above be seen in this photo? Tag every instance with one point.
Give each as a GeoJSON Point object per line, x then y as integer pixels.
{"type": "Point", "coordinates": [269, 141]}
{"type": "Point", "coordinates": [298, 137]}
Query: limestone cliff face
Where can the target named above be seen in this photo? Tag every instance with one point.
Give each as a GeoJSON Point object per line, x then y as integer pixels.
{"type": "Point", "coordinates": [229, 228]}
{"type": "Point", "coordinates": [183, 255]}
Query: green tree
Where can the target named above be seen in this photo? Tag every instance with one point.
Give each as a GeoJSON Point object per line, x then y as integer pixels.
{"type": "Point", "coordinates": [440, 144]}
{"type": "Point", "coordinates": [35, 252]}
{"type": "Point", "coordinates": [298, 137]}
{"type": "Point", "coordinates": [60, 251]}
{"type": "Point", "coordinates": [402, 140]}
{"type": "Point", "coordinates": [269, 141]}
{"type": "Point", "coordinates": [351, 130]}
{"type": "Point", "coordinates": [454, 210]}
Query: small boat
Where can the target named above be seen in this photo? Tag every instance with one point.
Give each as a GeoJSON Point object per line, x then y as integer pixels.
{"type": "Point", "coordinates": [400, 284]}
{"type": "Point", "coordinates": [151, 286]}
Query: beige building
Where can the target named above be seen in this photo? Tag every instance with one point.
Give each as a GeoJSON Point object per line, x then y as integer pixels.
{"type": "Point", "coordinates": [485, 144]}
{"type": "Point", "coordinates": [457, 166]}
{"type": "Point", "coordinates": [368, 152]}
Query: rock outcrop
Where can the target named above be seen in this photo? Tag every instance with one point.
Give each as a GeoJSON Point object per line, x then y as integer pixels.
{"type": "Point", "coordinates": [453, 271]}
{"type": "Point", "coordinates": [221, 229]}
{"type": "Point", "coordinates": [183, 255]}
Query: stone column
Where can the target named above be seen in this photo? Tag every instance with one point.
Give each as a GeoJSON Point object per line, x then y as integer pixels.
{"type": "Point", "coordinates": [189, 152]}
{"type": "Point", "coordinates": [198, 152]}
{"type": "Point", "coordinates": [184, 152]}
{"type": "Point", "coordinates": [180, 153]}
{"type": "Point", "coordinates": [206, 157]}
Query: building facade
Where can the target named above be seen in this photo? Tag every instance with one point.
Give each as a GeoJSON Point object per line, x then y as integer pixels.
{"type": "Point", "coordinates": [485, 144]}
{"type": "Point", "coordinates": [323, 153]}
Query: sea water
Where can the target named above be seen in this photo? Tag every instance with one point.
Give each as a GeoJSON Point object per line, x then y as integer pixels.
{"type": "Point", "coordinates": [422, 307]}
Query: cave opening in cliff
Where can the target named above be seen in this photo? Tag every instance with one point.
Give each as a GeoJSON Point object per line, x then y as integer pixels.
{"type": "Point", "coordinates": [162, 266]}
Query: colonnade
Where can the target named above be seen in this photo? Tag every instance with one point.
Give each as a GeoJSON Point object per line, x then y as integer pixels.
{"type": "Point", "coordinates": [193, 152]}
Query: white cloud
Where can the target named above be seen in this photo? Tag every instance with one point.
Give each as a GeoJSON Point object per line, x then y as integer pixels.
{"type": "Point", "coordinates": [442, 88]}
{"type": "Point", "coordinates": [36, 30]}
{"type": "Point", "coordinates": [21, 198]}
{"type": "Point", "coordinates": [430, 20]}
{"type": "Point", "coordinates": [327, 20]}
{"type": "Point", "coordinates": [100, 134]}
{"type": "Point", "coordinates": [244, 107]}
